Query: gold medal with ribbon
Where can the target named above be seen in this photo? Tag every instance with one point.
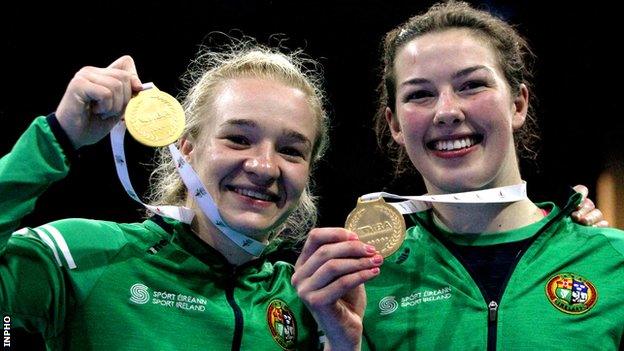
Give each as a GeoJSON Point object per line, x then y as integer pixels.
{"type": "Point", "coordinates": [377, 224]}
{"type": "Point", "coordinates": [154, 118]}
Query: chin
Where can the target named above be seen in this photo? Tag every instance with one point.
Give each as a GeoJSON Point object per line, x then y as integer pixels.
{"type": "Point", "coordinates": [256, 224]}
{"type": "Point", "coordinates": [253, 228]}
{"type": "Point", "coordinates": [459, 182]}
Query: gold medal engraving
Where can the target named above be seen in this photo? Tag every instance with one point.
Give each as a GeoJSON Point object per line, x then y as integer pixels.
{"type": "Point", "coordinates": [154, 118]}
{"type": "Point", "coordinates": [377, 224]}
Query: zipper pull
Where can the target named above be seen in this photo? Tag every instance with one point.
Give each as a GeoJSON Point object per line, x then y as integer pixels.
{"type": "Point", "coordinates": [493, 307]}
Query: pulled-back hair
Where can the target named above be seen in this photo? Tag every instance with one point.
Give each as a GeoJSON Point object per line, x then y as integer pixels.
{"type": "Point", "coordinates": [513, 52]}
{"type": "Point", "coordinates": [244, 59]}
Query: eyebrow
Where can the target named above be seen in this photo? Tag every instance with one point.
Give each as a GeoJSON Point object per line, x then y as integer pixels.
{"type": "Point", "coordinates": [291, 134]}
{"type": "Point", "coordinates": [461, 73]}
{"type": "Point", "coordinates": [298, 137]}
{"type": "Point", "coordinates": [240, 123]}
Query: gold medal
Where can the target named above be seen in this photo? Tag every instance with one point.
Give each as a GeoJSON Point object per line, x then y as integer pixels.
{"type": "Point", "coordinates": [154, 118]}
{"type": "Point", "coordinates": [377, 224]}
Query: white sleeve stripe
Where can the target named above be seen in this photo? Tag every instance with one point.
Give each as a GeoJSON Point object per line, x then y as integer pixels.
{"type": "Point", "coordinates": [49, 242]}
{"type": "Point", "coordinates": [22, 231]}
{"type": "Point", "coordinates": [60, 241]}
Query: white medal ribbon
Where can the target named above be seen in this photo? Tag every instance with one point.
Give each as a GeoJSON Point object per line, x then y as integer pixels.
{"type": "Point", "coordinates": [510, 193]}
{"type": "Point", "coordinates": [194, 187]}
{"type": "Point", "coordinates": [182, 214]}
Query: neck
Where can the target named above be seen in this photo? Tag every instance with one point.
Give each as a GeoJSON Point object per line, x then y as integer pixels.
{"type": "Point", "coordinates": [486, 218]}
{"type": "Point", "coordinates": [490, 218]}
{"type": "Point", "coordinates": [208, 233]}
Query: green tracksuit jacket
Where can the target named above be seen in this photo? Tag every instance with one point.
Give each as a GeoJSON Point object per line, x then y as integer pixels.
{"type": "Point", "coordinates": [566, 292]}
{"type": "Point", "coordinates": [96, 285]}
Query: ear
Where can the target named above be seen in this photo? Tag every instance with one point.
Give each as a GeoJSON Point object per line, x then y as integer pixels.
{"type": "Point", "coordinates": [395, 126]}
{"type": "Point", "coordinates": [521, 107]}
{"type": "Point", "coordinates": [186, 148]}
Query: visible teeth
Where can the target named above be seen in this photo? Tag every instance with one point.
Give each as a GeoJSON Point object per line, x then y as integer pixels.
{"type": "Point", "coordinates": [450, 145]}
{"type": "Point", "coordinates": [254, 194]}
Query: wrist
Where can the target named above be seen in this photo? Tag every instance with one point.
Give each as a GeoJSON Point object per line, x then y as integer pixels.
{"type": "Point", "coordinates": [328, 347]}
{"type": "Point", "coordinates": [341, 342]}
{"type": "Point", "coordinates": [68, 147]}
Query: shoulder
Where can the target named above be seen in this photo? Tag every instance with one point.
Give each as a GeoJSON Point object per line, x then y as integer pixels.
{"type": "Point", "coordinates": [79, 240]}
{"type": "Point", "coordinates": [613, 238]}
{"type": "Point", "coordinates": [80, 232]}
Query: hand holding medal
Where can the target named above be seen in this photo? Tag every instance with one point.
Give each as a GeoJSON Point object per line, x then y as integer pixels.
{"type": "Point", "coordinates": [94, 100]}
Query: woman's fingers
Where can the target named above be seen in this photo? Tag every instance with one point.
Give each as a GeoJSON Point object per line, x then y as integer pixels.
{"type": "Point", "coordinates": [335, 269]}
{"type": "Point", "coordinates": [582, 189]}
{"type": "Point", "coordinates": [583, 209]}
{"type": "Point", "coordinates": [333, 263]}
{"type": "Point", "coordinates": [328, 295]}
{"type": "Point", "coordinates": [588, 214]}
{"type": "Point", "coordinates": [323, 246]}
{"type": "Point", "coordinates": [321, 236]}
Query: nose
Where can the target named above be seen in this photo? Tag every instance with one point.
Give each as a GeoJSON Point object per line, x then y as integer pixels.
{"type": "Point", "coordinates": [448, 111]}
{"type": "Point", "coordinates": [262, 164]}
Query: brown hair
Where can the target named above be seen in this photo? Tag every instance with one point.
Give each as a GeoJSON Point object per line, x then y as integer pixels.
{"type": "Point", "coordinates": [514, 56]}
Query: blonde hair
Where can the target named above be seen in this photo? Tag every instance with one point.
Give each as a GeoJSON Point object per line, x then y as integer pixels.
{"type": "Point", "coordinates": [244, 59]}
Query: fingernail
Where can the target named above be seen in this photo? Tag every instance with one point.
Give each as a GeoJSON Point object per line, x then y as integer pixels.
{"type": "Point", "coordinates": [375, 270]}
{"type": "Point", "coordinates": [353, 236]}
{"type": "Point", "coordinates": [377, 259]}
{"type": "Point", "coordinates": [370, 249]}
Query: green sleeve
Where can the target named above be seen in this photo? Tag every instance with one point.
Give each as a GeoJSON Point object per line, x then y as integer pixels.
{"type": "Point", "coordinates": [33, 288]}
{"type": "Point", "coordinates": [45, 272]}
{"type": "Point", "coordinates": [35, 162]}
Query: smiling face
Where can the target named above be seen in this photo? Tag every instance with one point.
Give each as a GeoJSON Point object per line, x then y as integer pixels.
{"type": "Point", "coordinates": [455, 113]}
{"type": "Point", "coordinates": [254, 154]}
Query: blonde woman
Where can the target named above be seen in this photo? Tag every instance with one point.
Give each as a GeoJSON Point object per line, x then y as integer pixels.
{"type": "Point", "coordinates": [255, 127]}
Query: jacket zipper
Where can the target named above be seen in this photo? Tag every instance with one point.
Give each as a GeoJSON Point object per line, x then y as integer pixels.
{"type": "Point", "coordinates": [238, 314]}
{"type": "Point", "coordinates": [493, 305]}
{"type": "Point", "coordinates": [492, 325]}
